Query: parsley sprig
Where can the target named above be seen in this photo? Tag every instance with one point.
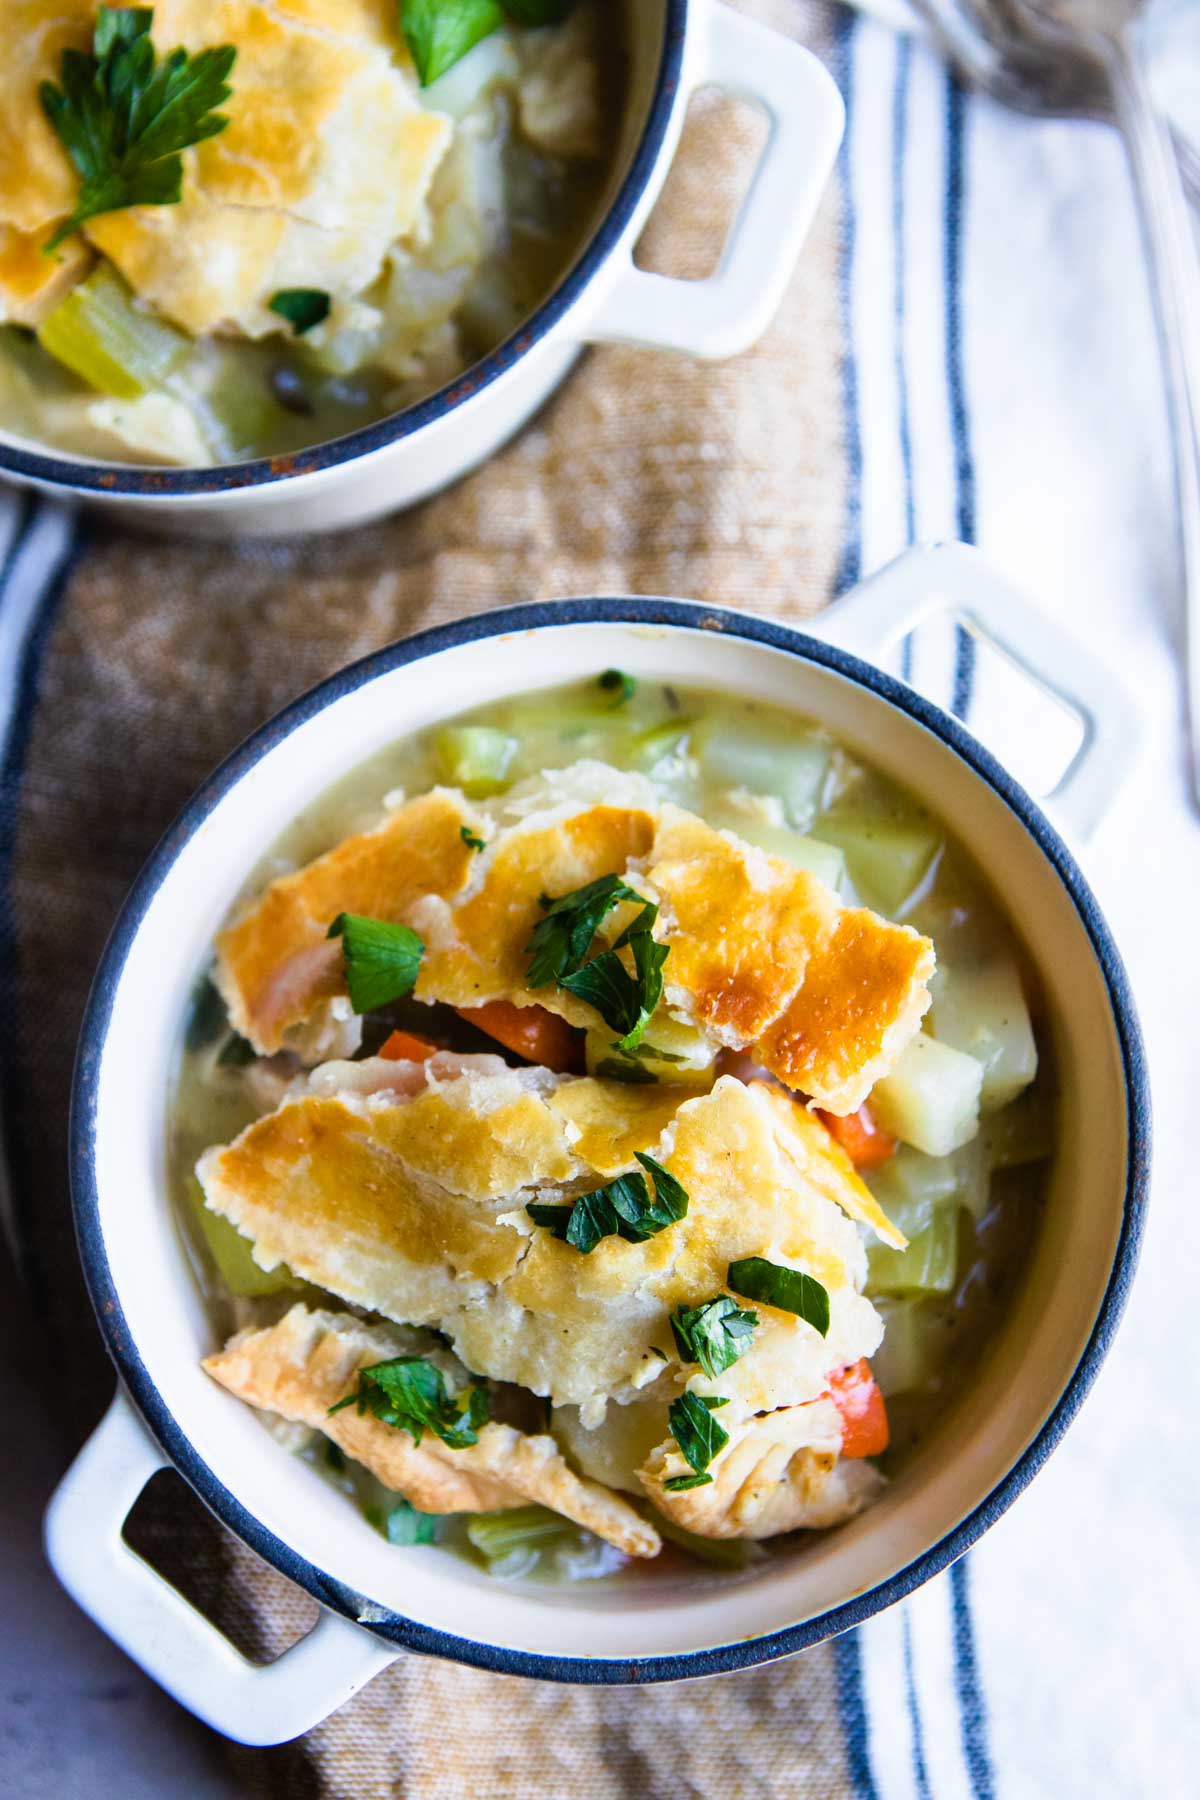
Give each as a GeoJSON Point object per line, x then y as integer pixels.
{"type": "Point", "coordinates": [714, 1334]}
{"type": "Point", "coordinates": [381, 960]}
{"type": "Point", "coordinates": [439, 32]}
{"type": "Point", "coordinates": [558, 952]}
{"type": "Point", "coordinates": [410, 1394]}
{"type": "Point", "coordinates": [699, 1437]}
{"type": "Point", "coordinates": [303, 308]}
{"type": "Point", "coordinates": [124, 118]}
{"type": "Point", "coordinates": [624, 1208]}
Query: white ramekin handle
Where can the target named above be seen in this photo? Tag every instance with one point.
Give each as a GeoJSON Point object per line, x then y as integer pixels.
{"type": "Point", "coordinates": [732, 308]}
{"type": "Point", "coordinates": [953, 580]}
{"type": "Point", "coordinates": [158, 1628]}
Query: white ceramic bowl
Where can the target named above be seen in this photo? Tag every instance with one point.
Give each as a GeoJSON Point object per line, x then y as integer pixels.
{"type": "Point", "coordinates": [676, 47]}
{"type": "Point", "coordinates": [423, 1599]}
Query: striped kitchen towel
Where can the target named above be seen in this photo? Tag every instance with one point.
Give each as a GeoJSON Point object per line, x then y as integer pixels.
{"type": "Point", "coordinates": [967, 353]}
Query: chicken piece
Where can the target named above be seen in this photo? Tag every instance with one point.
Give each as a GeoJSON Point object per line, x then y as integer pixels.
{"type": "Point", "coordinates": [779, 1472]}
{"type": "Point", "coordinates": [415, 1207]}
{"type": "Point", "coordinates": [763, 956]}
{"type": "Point", "coordinates": [302, 1366]}
{"type": "Point", "coordinates": [326, 161]}
{"type": "Point", "coordinates": [560, 106]}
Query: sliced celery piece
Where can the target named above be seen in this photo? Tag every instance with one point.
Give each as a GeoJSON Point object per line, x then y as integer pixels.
{"type": "Point", "coordinates": [825, 861]}
{"type": "Point", "coordinates": [496, 1533]}
{"type": "Point", "coordinates": [103, 336]}
{"type": "Point", "coordinates": [1024, 1132]}
{"type": "Point", "coordinates": [927, 1266]}
{"type": "Point", "coordinates": [657, 742]}
{"type": "Point", "coordinates": [913, 1347]}
{"type": "Point", "coordinates": [475, 758]}
{"type": "Point", "coordinates": [887, 858]}
{"type": "Point", "coordinates": [931, 1098]}
{"type": "Point", "coordinates": [979, 1007]}
{"type": "Point", "coordinates": [233, 1256]}
{"type": "Point", "coordinates": [670, 1052]}
{"type": "Point", "coordinates": [790, 765]}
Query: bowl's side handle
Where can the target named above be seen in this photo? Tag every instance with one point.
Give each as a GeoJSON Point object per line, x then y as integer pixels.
{"type": "Point", "coordinates": [954, 581]}
{"type": "Point", "coordinates": [158, 1628]}
{"type": "Point", "coordinates": [732, 308]}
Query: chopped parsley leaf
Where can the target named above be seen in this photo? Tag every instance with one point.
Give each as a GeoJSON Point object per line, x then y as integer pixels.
{"type": "Point", "coordinates": [789, 1289]}
{"type": "Point", "coordinates": [381, 960]}
{"type": "Point", "coordinates": [615, 681]}
{"type": "Point", "coordinates": [695, 1430]}
{"type": "Point", "coordinates": [301, 307]}
{"type": "Point", "coordinates": [470, 840]}
{"type": "Point", "coordinates": [713, 1334]}
{"type": "Point", "coordinates": [624, 1208]}
{"type": "Point", "coordinates": [410, 1394]}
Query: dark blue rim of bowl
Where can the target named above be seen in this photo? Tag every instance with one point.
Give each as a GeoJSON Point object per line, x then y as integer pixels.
{"type": "Point", "coordinates": [110, 478]}
{"type": "Point", "coordinates": [406, 1633]}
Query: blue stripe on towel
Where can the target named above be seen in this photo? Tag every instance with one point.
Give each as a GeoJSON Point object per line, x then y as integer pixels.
{"type": "Point", "coordinates": [24, 507]}
{"type": "Point", "coordinates": [964, 467]}
{"type": "Point", "coordinates": [850, 566]}
{"type": "Point", "coordinates": [921, 1785]}
{"type": "Point", "coordinates": [970, 1690]}
{"type": "Point", "coordinates": [847, 1658]}
{"type": "Point", "coordinates": [12, 768]}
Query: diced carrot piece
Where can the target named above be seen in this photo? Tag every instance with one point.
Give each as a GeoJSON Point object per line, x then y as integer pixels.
{"type": "Point", "coordinates": [403, 1046]}
{"type": "Point", "coordinates": [532, 1032]}
{"type": "Point", "coordinates": [855, 1393]}
{"type": "Point", "coordinates": [861, 1136]}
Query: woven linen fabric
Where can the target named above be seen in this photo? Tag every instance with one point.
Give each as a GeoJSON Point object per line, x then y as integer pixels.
{"type": "Point", "coordinates": [645, 474]}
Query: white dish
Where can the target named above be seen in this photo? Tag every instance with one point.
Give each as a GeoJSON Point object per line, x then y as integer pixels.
{"type": "Point", "coordinates": [676, 47]}
{"type": "Point", "coordinates": [156, 1326]}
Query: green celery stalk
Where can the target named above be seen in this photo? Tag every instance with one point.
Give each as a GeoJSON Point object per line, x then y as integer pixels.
{"type": "Point", "coordinates": [475, 758]}
{"type": "Point", "coordinates": [499, 1534]}
{"type": "Point", "coordinates": [99, 334]}
{"type": "Point", "coordinates": [929, 1264]}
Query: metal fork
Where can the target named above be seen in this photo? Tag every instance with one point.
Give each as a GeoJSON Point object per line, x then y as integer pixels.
{"type": "Point", "coordinates": [1081, 58]}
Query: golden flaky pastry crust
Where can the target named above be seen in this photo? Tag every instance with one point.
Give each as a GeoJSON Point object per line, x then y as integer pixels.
{"type": "Point", "coordinates": [394, 1204]}
{"type": "Point", "coordinates": [302, 1366]}
{"type": "Point", "coordinates": [763, 956]}
{"type": "Point", "coordinates": [326, 162]}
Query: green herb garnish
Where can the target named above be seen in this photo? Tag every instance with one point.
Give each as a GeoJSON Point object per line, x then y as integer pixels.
{"type": "Point", "coordinates": [713, 1334]}
{"type": "Point", "coordinates": [123, 119]}
{"type": "Point", "coordinates": [301, 307]}
{"type": "Point", "coordinates": [470, 840]}
{"type": "Point", "coordinates": [698, 1435]}
{"type": "Point", "coordinates": [624, 1208]}
{"type": "Point", "coordinates": [410, 1394]}
{"type": "Point", "coordinates": [405, 1525]}
{"type": "Point", "coordinates": [560, 944]}
{"type": "Point", "coordinates": [562, 939]}
{"type": "Point", "coordinates": [679, 1484]}
{"type": "Point", "coordinates": [381, 960]}
{"type": "Point", "coordinates": [440, 32]}
{"type": "Point", "coordinates": [615, 681]}
{"type": "Point", "coordinates": [789, 1289]}
{"type": "Point", "coordinates": [617, 1068]}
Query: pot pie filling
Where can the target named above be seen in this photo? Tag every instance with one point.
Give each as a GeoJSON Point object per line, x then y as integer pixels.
{"type": "Point", "coordinates": [610, 1132]}
{"type": "Point", "coordinates": [348, 206]}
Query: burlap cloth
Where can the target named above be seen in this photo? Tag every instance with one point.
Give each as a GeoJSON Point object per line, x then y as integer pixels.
{"type": "Point", "coordinates": [645, 474]}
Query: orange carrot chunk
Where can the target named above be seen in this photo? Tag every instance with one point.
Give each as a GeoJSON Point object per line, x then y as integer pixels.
{"type": "Point", "coordinates": [403, 1046]}
{"type": "Point", "coordinates": [532, 1032]}
{"type": "Point", "coordinates": [861, 1136]}
{"type": "Point", "coordinates": [855, 1393]}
